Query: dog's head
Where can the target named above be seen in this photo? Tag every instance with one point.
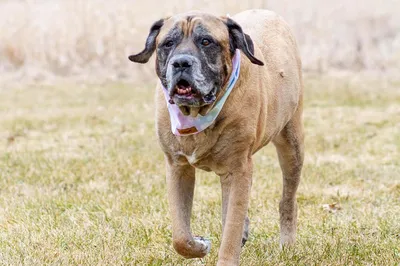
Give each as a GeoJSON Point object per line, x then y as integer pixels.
{"type": "Point", "coordinates": [194, 55]}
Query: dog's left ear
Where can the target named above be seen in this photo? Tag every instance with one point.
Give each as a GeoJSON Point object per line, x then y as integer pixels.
{"type": "Point", "coordinates": [150, 47]}
{"type": "Point", "coordinates": [239, 40]}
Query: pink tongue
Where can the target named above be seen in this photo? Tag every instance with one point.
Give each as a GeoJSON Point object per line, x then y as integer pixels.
{"type": "Point", "coordinates": [184, 90]}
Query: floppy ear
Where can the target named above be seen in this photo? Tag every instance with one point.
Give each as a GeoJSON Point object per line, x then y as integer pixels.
{"type": "Point", "coordinates": [144, 56]}
{"type": "Point", "coordinates": [239, 40]}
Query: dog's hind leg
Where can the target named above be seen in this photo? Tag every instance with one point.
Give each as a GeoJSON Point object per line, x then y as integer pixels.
{"type": "Point", "coordinates": [246, 231]}
{"type": "Point", "coordinates": [180, 188]}
{"type": "Point", "coordinates": [290, 149]}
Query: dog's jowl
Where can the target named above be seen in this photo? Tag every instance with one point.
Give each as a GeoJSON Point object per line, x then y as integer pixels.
{"type": "Point", "coordinates": [227, 87]}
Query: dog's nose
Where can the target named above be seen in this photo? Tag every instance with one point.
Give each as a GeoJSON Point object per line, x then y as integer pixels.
{"type": "Point", "coordinates": [182, 63]}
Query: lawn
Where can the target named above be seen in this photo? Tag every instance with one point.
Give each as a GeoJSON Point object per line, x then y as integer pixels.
{"type": "Point", "coordinates": [82, 179]}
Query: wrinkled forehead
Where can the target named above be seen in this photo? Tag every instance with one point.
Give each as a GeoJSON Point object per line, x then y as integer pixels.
{"type": "Point", "coordinates": [190, 24]}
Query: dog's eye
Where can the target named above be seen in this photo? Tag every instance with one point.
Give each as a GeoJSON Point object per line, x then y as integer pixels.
{"type": "Point", "coordinates": [169, 44]}
{"type": "Point", "coordinates": [205, 42]}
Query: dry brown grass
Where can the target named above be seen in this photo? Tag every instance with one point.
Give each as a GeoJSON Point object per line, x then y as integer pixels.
{"type": "Point", "coordinates": [91, 39]}
{"type": "Point", "coordinates": [82, 180]}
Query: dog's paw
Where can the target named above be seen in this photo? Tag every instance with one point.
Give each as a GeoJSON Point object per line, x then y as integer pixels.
{"type": "Point", "coordinates": [205, 243]}
{"type": "Point", "coordinates": [287, 241]}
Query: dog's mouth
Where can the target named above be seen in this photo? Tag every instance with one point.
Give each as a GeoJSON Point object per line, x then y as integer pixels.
{"type": "Point", "coordinates": [189, 99]}
{"type": "Point", "coordinates": [185, 90]}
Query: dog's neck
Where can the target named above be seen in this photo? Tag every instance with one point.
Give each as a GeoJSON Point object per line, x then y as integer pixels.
{"type": "Point", "coordinates": [182, 125]}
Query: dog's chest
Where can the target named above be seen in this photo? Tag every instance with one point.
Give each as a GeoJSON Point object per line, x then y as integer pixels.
{"type": "Point", "coordinates": [191, 157]}
{"type": "Point", "coordinates": [200, 161]}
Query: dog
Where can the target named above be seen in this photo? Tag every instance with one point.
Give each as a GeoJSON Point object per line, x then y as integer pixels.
{"type": "Point", "coordinates": [228, 86]}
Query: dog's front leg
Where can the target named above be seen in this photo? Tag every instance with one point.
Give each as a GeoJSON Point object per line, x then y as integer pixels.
{"type": "Point", "coordinates": [236, 192]}
{"type": "Point", "coordinates": [180, 186]}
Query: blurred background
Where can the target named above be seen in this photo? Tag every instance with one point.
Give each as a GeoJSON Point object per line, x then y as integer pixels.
{"type": "Point", "coordinates": [41, 40]}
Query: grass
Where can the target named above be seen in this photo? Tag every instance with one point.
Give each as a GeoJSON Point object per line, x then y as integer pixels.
{"type": "Point", "coordinates": [82, 180]}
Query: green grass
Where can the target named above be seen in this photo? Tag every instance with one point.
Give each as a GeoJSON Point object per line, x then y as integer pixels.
{"type": "Point", "coordinates": [82, 180]}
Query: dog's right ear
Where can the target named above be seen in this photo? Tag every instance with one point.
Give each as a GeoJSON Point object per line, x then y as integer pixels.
{"type": "Point", "coordinates": [150, 47]}
{"type": "Point", "coordinates": [240, 40]}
